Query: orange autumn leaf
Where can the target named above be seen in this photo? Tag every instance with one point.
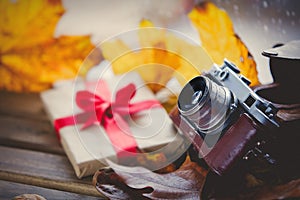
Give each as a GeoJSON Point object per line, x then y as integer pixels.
{"type": "Point", "coordinates": [149, 36]}
{"type": "Point", "coordinates": [194, 59]}
{"type": "Point", "coordinates": [188, 60]}
{"type": "Point", "coordinates": [31, 59]}
{"type": "Point", "coordinates": [120, 54]}
{"type": "Point", "coordinates": [161, 55]}
{"type": "Point", "coordinates": [219, 39]}
{"type": "Point", "coordinates": [150, 60]}
{"type": "Point", "coordinates": [150, 63]}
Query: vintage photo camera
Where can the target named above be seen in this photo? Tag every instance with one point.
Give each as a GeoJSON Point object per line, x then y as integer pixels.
{"type": "Point", "coordinates": [225, 119]}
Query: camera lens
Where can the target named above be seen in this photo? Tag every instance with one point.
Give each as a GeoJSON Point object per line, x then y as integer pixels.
{"type": "Point", "coordinates": [205, 104]}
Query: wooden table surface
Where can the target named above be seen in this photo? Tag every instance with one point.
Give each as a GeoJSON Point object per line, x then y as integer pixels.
{"type": "Point", "coordinates": [32, 159]}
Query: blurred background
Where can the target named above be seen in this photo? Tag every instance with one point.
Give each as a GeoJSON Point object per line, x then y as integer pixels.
{"type": "Point", "coordinates": [260, 24]}
{"type": "Point", "coordinates": [42, 41]}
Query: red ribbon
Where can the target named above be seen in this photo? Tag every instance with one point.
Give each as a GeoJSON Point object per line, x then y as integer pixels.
{"type": "Point", "coordinates": [99, 110]}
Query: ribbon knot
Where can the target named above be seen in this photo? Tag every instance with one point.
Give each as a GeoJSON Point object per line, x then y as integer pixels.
{"type": "Point", "coordinates": [109, 114]}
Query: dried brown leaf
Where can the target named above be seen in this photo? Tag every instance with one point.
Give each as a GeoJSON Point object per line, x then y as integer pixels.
{"type": "Point", "coordinates": [141, 183]}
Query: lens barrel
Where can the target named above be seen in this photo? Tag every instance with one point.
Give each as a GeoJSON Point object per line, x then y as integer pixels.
{"type": "Point", "coordinates": [205, 104]}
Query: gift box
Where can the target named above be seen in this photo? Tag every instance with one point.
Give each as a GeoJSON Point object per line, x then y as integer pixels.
{"type": "Point", "coordinates": [89, 139]}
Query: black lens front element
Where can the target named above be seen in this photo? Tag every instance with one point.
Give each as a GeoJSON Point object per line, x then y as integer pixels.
{"type": "Point", "coordinates": [192, 94]}
{"type": "Point", "coordinates": [205, 104]}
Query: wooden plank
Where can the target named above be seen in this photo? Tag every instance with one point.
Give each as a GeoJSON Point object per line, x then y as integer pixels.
{"type": "Point", "coordinates": [42, 169]}
{"type": "Point", "coordinates": [28, 105]}
{"type": "Point", "coordinates": [73, 187]}
{"type": "Point", "coordinates": [28, 134]}
{"type": "Point", "coordinates": [11, 189]}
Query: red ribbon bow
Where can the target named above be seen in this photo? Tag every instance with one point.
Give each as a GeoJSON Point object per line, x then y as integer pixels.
{"type": "Point", "coordinates": [98, 109]}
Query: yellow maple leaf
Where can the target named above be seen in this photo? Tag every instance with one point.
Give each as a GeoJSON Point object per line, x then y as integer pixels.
{"type": "Point", "coordinates": [31, 59]}
{"type": "Point", "coordinates": [219, 39]}
{"type": "Point", "coordinates": [194, 59]}
{"type": "Point", "coordinates": [188, 60]}
{"type": "Point", "coordinates": [161, 56]}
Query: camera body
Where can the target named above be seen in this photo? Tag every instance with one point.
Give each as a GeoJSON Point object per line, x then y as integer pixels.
{"type": "Point", "coordinates": [224, 118]}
